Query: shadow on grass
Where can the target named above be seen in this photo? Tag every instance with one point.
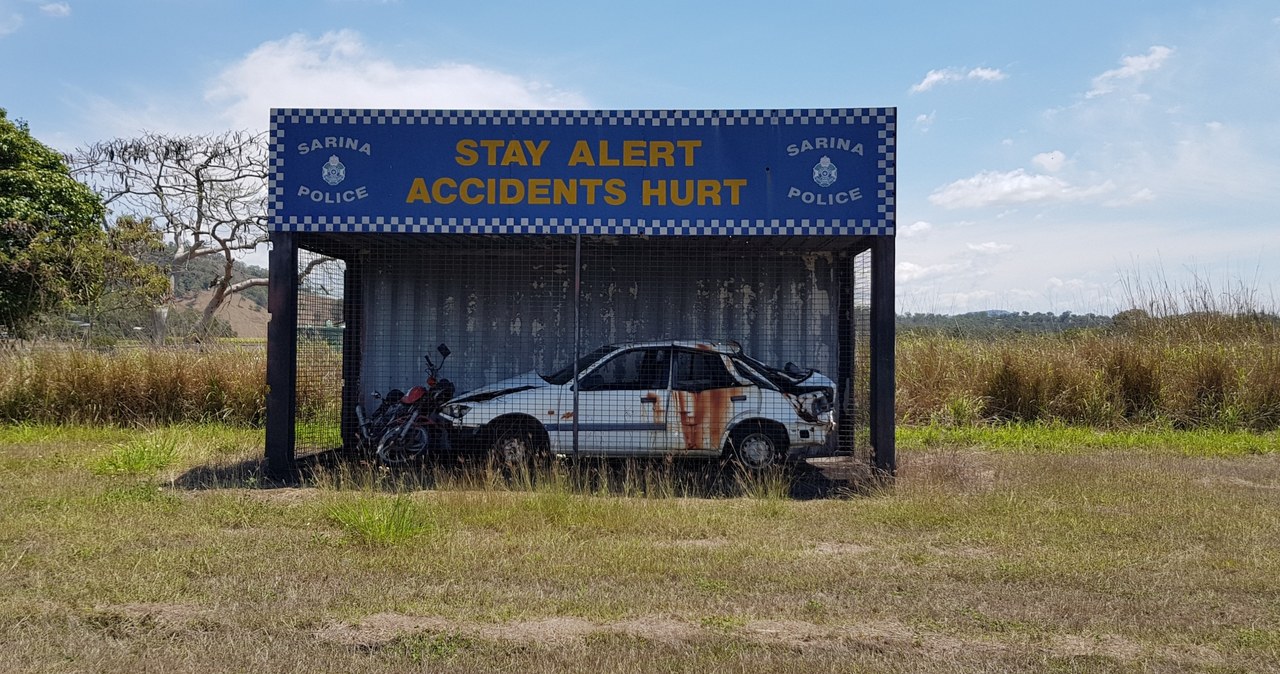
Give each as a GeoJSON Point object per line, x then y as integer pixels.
{"type": "Point", "coordinates": [837, 477]}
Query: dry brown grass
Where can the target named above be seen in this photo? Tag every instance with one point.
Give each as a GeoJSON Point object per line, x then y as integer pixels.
{"type": "Point", "coordinates": [1185, 372]}
{"type": "Point", "coordinates": [225, 383]}
{"type": "Point", "coordinates": [974, 561]}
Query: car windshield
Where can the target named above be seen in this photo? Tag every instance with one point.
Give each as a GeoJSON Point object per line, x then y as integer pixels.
{"type": "Point", "coordinates": [565, 374]}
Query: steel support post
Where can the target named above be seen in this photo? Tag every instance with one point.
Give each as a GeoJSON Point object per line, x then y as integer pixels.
{"type": "Point", "coordinates": [282, 356]}
{"type": "Point", "coordinates": [882, 356]}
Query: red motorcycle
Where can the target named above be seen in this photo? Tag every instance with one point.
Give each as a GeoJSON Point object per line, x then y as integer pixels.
{"type": "Point", "coordinates": [416, 428]}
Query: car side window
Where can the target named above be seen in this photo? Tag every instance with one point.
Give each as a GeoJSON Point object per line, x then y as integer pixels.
{"type": "Point", "coordinates": [637, 370]}
{"type": "Point", "coordinates": [701, 371]}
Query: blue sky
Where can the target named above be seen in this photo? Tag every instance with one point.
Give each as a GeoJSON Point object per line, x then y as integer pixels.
{"type": "Point", "coordinates": [1052, 156]}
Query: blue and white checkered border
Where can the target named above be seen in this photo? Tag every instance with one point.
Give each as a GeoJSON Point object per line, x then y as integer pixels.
{"type": "Point", "coordinates": [589, 226]}
{"type": "Point", "coordinates": [886, 118]}
{"type": "Point", "coordinates": [815, 116]}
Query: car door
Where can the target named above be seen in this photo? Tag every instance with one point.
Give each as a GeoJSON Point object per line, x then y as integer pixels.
{"type": "Point", "coordinates": [705, 399]}
{"type": "Point", "coordinates": [622, 403]}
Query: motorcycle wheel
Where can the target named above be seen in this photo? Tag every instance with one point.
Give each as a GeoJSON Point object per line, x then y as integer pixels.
{"type": "Point", "coordinates": [395, 449]}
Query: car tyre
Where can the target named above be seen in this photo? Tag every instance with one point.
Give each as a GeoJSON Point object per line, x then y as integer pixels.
{"type": "Point", "coordinates": [755, 448]}
{"type": "Point", "coordinates": [515, 446]}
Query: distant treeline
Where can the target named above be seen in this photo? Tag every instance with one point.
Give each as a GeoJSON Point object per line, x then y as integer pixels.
{"type": "Point", "coordinates": [997, 323]}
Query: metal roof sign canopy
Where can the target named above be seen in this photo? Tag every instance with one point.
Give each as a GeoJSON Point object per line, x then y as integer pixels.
{"type": "Point", "coordinates": [813, 172]}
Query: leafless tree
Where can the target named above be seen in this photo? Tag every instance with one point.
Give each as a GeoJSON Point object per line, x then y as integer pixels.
{"type": "Point", "coordinates": [206, 193]}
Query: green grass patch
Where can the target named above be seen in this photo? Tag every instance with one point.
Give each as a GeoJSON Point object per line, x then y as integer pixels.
{"type": "Point", "coordinates": [142, 456]}
{"type": "Point", "coordinates": [30, 433]}
{"type": "Point", "coordinates": [1063, 439]}
{"type": "Point", "coordinates": [431, 648]}
{"type": "Point", "coordinates": [380, 521]}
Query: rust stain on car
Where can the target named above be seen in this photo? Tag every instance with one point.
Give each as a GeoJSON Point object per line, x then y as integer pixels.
{"type": "Point", "coordinates": [659, 414]}
{"type": "Point", "coordinates": [704, 415]}
{"type": "Point", "coordinates": [567, 415]}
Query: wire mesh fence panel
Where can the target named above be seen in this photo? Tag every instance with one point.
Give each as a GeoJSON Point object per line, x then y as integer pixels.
{"type": "Point", "coordinates": [858, 419]}
{"type": "Point", "coordinates": [515, 347]}
{"type": "Point", "coordinates": [320, 331]}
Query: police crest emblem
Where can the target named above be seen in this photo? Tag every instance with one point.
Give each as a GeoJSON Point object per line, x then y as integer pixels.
{"type": "Point", "coordinates": [824, 172]}
{"type": "Point", "coordinates": [333, 171]}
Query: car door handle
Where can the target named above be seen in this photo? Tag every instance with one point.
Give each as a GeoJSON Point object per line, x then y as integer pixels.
{"type": "Point", "coordinates": [739, 399]}
{"type": "Point", "coordinates": [650, 399]}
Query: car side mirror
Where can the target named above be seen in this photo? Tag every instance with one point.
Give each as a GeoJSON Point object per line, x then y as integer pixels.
{"type": "Point", "coordinates": [444, 350]}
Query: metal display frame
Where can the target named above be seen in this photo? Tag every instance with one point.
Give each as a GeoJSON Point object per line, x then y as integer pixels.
{"type": "Point", "coordinates": [768, 217]}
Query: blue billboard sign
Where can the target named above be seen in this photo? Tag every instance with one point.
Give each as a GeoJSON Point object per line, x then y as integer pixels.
{"type": "Point", "coordinates": [656, 172]}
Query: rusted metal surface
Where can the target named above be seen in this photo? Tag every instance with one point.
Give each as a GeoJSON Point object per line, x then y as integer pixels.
{"type": "Point", "coordinates": [704, 415]}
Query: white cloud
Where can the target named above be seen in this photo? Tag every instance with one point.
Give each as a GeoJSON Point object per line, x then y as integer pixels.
{"type": "Point", "coordinates": [1014, 187]}
{"type": "Point", "coordinates": [932, 79]}
{"type": "Point", "coordinates": [925, 122]}
{"type": "Point", "coordinates": [910, 271]}
{"type": "Point", "coordinates": [989, 248]}
{"type": "Point", "coordinates": [1139, 196]}
{"type": "Point", "coordinates": [1055, 283]}
{"type": "Point", "coordinates": [1050, 161]}
{"type": "Point", "coordinates": [986, 74]}
{"type": "Point", "coordinates": [56, 9]}
{"type": "Point", "coordinates": [935, 77]}
{"type": "Point", "coordinates": [10, 24]}
{"type": "Point", "coordinates": [1131, 67]}
{"type": "Point", "coordinates": [338, 70]}
{"type": "Point", "coordinates": [919, 228]}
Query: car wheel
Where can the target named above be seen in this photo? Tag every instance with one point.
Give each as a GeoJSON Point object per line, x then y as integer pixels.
{"type": "Point", "coordinates": [395, 449]}
{"type": "Point", "coordinates": [754, 448]}
{"type": "Point", "coordinates": [514, 445]}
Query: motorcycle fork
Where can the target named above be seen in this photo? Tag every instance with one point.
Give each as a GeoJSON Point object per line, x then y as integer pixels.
{"type": "Point", "coordinates": [409, 424]}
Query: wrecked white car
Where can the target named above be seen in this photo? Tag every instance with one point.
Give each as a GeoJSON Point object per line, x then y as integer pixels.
{"type": "Point", "coordinates": [681, 398]}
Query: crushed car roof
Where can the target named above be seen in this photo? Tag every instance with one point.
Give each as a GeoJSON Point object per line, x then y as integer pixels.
{"type": "Point", "coordinates": [726, 346]}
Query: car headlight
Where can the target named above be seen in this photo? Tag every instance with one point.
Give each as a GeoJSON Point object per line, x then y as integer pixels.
{"type": "Point", "coordinates": [456, 410]}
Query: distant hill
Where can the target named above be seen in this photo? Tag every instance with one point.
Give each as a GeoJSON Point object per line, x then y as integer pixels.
{"type": "Point", "coordinates": [246, 317]}
{"type": "Point", "coordinates": [194, 276]}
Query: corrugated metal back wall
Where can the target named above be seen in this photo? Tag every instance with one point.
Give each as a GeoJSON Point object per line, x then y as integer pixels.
{"type": "Point", "coordinates": [504, 312]}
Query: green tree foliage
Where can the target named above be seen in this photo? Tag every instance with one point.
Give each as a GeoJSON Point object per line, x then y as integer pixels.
{"type": "Point", "coordinates": [48, 221]}
{"type": "Point", "coordinates": [999, 323]}
{"type": "Point", "coordinates": [127, 282]}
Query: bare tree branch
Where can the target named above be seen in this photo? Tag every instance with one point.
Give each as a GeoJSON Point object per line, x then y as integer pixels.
{"type": "Point", "coordinates": [205, 193]}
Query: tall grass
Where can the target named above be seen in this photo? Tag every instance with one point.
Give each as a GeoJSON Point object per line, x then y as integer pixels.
{"type": "Point", "coordinates": [170, 385]}
{"type": "Point", "coordinates": [1184, 372]}
{"type": "Point", "coordinates": [224, 384]}
{"type": "Point", "coordinates": [1203, 369]}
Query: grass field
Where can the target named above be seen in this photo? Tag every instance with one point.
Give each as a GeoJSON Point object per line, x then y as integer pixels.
{"type": "Point", "coordinates": [1017, 549]}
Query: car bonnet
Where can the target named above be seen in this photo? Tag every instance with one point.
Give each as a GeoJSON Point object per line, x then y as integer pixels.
{"type": "Point", "coordinates": [522, 382]}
